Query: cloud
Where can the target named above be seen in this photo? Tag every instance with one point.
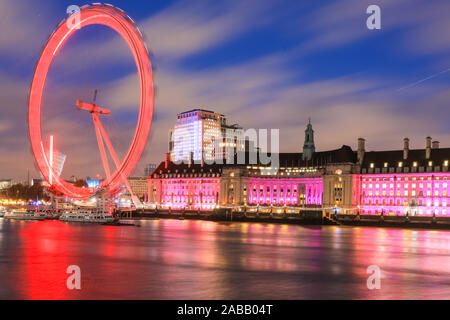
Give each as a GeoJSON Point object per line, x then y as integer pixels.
{"type": "Point", "coordinates": [182, 30]}
{"type": "Point", "coordinates": [419, 26]}
{"type": "Point", "coordinates": [22, 29]}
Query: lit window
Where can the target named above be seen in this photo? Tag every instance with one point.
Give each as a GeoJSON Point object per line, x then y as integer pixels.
{"type": "Point", "coordinates": [414, 164]}
{"type": "Point", "coordinates": [372, 165]}
{"type": "Point", "coordinates": [400, 164]}
{"type": "Point", "coordinates": [446, 163]}
{"type": "Point", "coordinates": [385, 164]}
{"type": "Point", "coordinates": [430, 163]}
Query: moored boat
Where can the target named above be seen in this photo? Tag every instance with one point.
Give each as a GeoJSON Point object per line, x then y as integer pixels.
{"type": "Point", "coordinates": [88, 216]}
{"type": "Point", "coordinates": [50, 213]}
{"type": "Point", "coordinates": [24, 214]}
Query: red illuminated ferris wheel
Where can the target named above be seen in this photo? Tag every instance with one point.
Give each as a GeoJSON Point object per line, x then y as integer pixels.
{"type": "Point", "coordinates": [116, 19]}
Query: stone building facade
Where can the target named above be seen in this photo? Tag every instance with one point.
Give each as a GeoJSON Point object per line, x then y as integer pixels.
{"type": "Point", "coordinates": [396, 182]}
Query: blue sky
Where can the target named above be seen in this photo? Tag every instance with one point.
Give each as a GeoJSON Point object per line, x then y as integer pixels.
{"type": "Point", "coordinates": [263, 63]}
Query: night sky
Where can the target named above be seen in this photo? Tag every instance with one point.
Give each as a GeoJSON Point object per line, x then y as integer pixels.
{"type": "Point", "coordinates": [264, 64]}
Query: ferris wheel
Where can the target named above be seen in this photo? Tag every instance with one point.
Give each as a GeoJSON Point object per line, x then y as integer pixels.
{"type": "Point", "coordinates": [119, 21]}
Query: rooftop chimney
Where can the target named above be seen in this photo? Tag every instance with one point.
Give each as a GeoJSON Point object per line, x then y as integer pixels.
{"type": "Point", "coordinates": [361, 150]}
{"type": "Point", "coordinates": [166, 162]}
{"type": "Point", "coordinates": [191, 159]}
{"type": "Point", "coordinates": [428, 148]}
{"type": "Point", "coordinates": [405, 148]}
{"type": "Point", "coordinates": [435, 145]}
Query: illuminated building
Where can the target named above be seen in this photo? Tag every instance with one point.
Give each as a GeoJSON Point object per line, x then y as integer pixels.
{"type": "Point", "coordinates": [206, 133]}
{"type": "Point", "coordinates": [194, 185]}
{"type": "Point", "coordinates": [93, 183]}
{"type": "Point", "coordinates": [405, 181]}
{"type": "Point", "coordinates": [138, 186]}
{"type": "Point", "coordinates": [37, 181]}
{"type": "Point", "coordinates": [5, 183]}
{"type": "Point", "coordinates": [397, 182]}
{"type": "Point", "coordinates": [185, 186]}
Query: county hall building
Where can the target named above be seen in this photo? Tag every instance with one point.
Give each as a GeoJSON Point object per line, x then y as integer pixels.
{"type": "Point", "coordinates": [398, 182]}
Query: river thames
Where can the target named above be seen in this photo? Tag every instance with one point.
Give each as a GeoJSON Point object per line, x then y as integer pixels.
{"type": "Point", "coordinates": [187, 259]}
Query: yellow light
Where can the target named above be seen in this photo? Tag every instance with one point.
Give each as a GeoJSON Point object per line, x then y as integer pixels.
{"type": "Point", "coordinates": [400, 164]}
{"type": "Point", "coordinates": [414, 164]}
{"type": "Point", "coordinates": [446, 163]}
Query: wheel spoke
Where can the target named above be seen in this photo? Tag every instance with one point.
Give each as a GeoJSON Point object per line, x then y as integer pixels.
{"type": "Point", "coordinates": [101, 145]}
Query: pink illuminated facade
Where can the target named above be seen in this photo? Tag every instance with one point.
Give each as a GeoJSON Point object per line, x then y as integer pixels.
{"type": "Point", "coordinates": [399, 194]}
{"type": "Point", "coordinates": [399, 182]}
{"type": "Point", "coordinates": [287, 191]}
{"type": "Point", "coordinates": [190, 193]}
{"type": "Point", "coordinates": [202, 188]}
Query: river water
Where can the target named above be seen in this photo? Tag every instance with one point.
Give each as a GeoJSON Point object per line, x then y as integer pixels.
{"type": "Point", "coordinates": [187, 259]}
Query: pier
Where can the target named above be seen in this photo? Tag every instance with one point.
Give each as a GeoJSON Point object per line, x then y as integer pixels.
{"type": "Point", "coordinates": [310, 216]}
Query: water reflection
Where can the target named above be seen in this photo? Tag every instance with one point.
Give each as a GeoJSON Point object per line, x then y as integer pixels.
{"type": "Point", "coordinates": [182, 259]}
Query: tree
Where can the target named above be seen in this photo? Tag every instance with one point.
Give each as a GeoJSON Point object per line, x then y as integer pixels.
{"type": "Point", "coordinates": [25, 192]}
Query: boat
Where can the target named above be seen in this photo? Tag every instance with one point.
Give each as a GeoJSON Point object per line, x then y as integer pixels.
{"type": "Point", "coordinates": [88, 216]}
{"type": "Point", "coordinates": [50, 213]}
{"type": "Point", "coordinates": [24, 214]}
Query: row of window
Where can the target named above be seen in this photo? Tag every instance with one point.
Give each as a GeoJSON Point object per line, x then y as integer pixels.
{"type": "Point", "coordinates": [405, 178]}
{"type": "Point", "coordinates": [414, 164]}
{"type": "Point", "coordinates": [405, 203]}
{"type": "Point", "coordinates": [405, 185]}
{"type": "Point", "coordinates": [443, 212]}
{"type": "Point", "coordinates": [406, 193]}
